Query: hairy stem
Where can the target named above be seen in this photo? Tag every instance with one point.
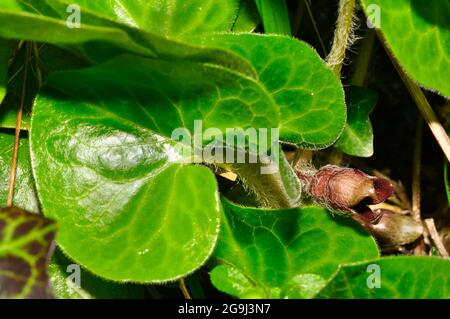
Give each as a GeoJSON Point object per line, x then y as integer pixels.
{"type": "Point", "coordinates": [278, 189]}
{"type": "Point", "coordinates": [342, 36]}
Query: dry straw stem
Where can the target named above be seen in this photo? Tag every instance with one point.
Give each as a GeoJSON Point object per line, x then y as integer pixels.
{"type": "Point", "coordinates": [428, 114]}
{"type": "Point", "coordinates": [429, 222]}
{"type": "Point", "coordinates": [422, 103]}
{"type": "Point", "coordinates": [416, 173]}
{"type": "Point", "coordinates": [343, 36]}
{"type": "Point", "coordinates": [184, 289]}
{"type": "Point", "coordinates": [420, 248]}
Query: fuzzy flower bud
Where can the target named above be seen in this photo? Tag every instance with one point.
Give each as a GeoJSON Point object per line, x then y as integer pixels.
{"type": "Point", "coordinates": [347, 189]}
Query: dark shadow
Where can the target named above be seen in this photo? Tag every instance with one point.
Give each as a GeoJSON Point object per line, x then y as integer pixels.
{"type": "Point", "coordinates": [436, 12]}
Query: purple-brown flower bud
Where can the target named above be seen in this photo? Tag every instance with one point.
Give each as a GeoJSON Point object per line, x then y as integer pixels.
{"type": "Point", "coordinates": [393, 229]}
{"type": "Point", "coordinates": [347, 189]}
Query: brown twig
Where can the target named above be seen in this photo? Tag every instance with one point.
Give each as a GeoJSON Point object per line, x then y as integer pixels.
{"type": "Point", "coordinates": [12, 176]}
{"type": "Point", "coordinates": [420, 248]}
{"type": "Point", "coordinates": [429, 222]}
{"type": "Point", "coordinates": [415, 211]}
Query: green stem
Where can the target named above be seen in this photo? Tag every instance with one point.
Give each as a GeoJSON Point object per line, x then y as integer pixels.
{"type": "Point", "coordinates": [316, 30]}
{"type": "Point", "coordinates": [279, 189]}
{"type": "Point", "coordinates": [363, 59]}
{"type": "Point", "coordinates": [342, 35]}
{"type": "Point", "coordinates": [275, 16]}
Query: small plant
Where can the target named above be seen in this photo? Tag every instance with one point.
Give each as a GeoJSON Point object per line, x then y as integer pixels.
{"type": "Point", "coordinates": [208, 144]}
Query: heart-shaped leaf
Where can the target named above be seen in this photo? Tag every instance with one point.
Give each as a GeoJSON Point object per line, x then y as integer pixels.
{"type": "Point", "coordinates": [104, 29]}
{"type": "Point", "coordinates": [401, 277]}
{"type": "Point", "coordinates": [310, 97]}
{"type": "Point", "coordinates": [273, 247]}
{"type": "Point", "coordinates": [24, 194]}
{"type": "Point", "coordinates": [25, 240]}
{"type": "Point", "coordinates": [418, 32]}
{"type": "Point", "coordinates": [357, 138]}
{"type": "Point", "coordinates": [106, 169]}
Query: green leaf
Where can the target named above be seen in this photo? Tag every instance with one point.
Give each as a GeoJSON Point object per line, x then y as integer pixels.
{"type": "Point", "coordinates": [5, 50]}
{"type": "Point", "coordinates": [275, 16]}
{"type": "Point", "coordinates": [162, 96]}
{"type": "Point", "coordinates": [273, 247]}
{"type": "Point", "coordinates": [401, 277]}
{"type": "Point", "coordinates": [8, 117]}
{"type": "Point", "coordinates": [310, 97]}
{"type": "Point", "coordinates": [357, 138]}
{"type": "Point", "coordinates": [305, 286]}
{"type": "Point", "coordinates": [25, 240]}
{"type": "Point", "coordinates": [230, 280]}
{"type": "Point", "coordinates": [63, 274]}
{"type": "Point", "coordinates": [103, 136]}
{"type": "Point", "coordinates": [173, 19]}
{"type": "Point", "coordinates": [248, 17]}
{"type": "Point", "coordinates": [418, 32]}
{"type": "Point", "coordinates": [106, 31]}
{"type": "Point", "coordinates": [24, 193]}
